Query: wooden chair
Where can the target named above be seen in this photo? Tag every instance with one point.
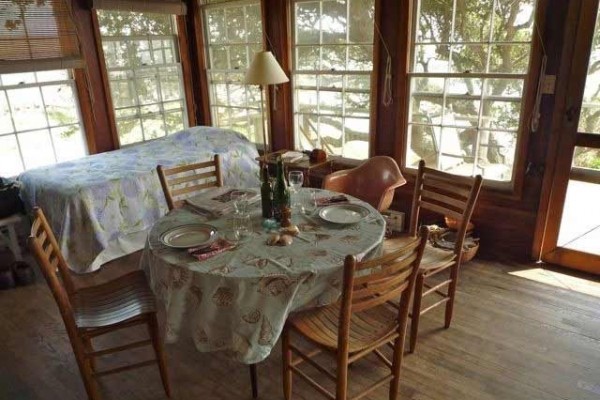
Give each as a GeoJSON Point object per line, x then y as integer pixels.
{"type": "Point", "coordinates": [374, 181]}
{"type": "Point", "coordinates": [97, 310]}
{"type": "Point", "coordinates": [448, 195]}
{"type": "Point", "coordinates": [189, 179]}
{"type": "Point", "coordinates": [360, 323]}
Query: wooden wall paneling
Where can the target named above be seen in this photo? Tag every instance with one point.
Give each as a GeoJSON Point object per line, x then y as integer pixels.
{"type": "Point", "coordinates": [199, 77]}
{"type": "Point", "coordinates": [186, 68]}
{"type": "Point", "coordinates": [100, 137]}
{"type": "Point", "coordinates": [86, 108]}
{"type": "Point", "coordinates": [110, 109]}
{"type": "Point", "coordinates": [277, 38]}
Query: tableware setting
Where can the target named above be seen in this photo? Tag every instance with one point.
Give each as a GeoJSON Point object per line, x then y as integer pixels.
{"type": "Point", "coordinates": [344, 214]}
{"type": "Point", "coordinates": [190, 235]}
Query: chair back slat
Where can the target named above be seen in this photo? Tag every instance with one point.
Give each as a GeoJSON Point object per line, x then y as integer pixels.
{"type": "Point", "coordinates": [387, 278]}
{"type": "Point", "coordinates": [180, 182]}
{"type": "Point", "coordinates": [47, 251]}
{"type": "Point", "coordinates": [445, 194]}
{"type": "Point", "coordinates": [386, 270]}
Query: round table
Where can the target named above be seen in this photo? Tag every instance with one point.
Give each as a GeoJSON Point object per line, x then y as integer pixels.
{"type": "Point", "coordinates": [239, 300]}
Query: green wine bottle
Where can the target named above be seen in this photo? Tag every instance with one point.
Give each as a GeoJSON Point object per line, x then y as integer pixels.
{"type": "Point", "coordinates": [281, 193]}
{"type": "Point", "coordinates": [266, 193]}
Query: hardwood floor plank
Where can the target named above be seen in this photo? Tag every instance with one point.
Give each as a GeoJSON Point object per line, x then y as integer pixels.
{"type": "Point", "coordinates": [511, 338]}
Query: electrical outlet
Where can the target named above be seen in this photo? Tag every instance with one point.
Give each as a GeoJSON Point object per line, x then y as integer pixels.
{"type": "Point", "coordinates": [395, 220]}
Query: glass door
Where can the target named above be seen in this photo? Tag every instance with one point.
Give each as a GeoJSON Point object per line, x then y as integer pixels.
{"type": "Point", "coordinates": [572, 235]}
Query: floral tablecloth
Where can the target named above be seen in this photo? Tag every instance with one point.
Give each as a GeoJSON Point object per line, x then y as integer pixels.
{"type": "Point", "coordinates": [239, 300]}
{"type": "Point", "coordinates": [101, 206]}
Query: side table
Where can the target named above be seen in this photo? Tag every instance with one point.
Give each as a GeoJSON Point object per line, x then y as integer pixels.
{"type": "Point", "coordinates": [8, 235]}
{"type": "Point", "coordinates": [304, 165]}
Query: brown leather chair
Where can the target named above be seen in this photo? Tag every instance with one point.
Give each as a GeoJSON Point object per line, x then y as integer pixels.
{"type": "Point", "coordinates": [374, 181]}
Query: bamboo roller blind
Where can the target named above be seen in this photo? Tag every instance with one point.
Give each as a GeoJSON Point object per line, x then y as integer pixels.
{"type": "Point", "coordinates": [175, 7]}
{"type": "Point", "coordinates": [37, 35]}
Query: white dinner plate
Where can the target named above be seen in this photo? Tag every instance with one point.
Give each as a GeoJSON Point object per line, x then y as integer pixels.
{"type": "Point", "coordinates": [344, 213]}
{"type": "Point", "coordinates": [191, 235]}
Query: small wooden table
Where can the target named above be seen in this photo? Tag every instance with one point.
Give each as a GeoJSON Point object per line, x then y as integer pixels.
{"type": "Point", "coordinates": [304, 165]}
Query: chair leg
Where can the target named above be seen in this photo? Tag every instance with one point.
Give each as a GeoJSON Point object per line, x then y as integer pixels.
{"type": "Point", "coordinates": [396, 365]}
{"type": "Point", "coordinates": [87, 344]}
{"type": "Point", "coordinates": [254, 381]}
{"type": "Point", "coordinates": [451, 295]}
{"type": "Point", "coordinates": [159, 351]}
{"type": "Point", "coordinates": [85, 368]}
{"type": "Point", "coordinates": [416, 312]}
{"type": "Point", "coordinates": [287, 361]}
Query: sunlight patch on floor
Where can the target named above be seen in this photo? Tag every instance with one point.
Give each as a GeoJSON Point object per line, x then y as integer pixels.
{"type": "Point", "coordinates": [581, 285]}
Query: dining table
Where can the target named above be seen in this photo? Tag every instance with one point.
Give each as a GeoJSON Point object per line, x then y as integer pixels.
{"type": "Point", "coordinates": [238, 300]}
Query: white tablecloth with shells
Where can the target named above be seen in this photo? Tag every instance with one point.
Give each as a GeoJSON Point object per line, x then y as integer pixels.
{"type": "Point", "coordinates": [238, 301]}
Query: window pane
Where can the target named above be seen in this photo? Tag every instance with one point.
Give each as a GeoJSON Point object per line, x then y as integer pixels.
{"type": "Point", "coordinates": [334, 22]}
{"type": "Point", "coordinates": [27, 108]}
{"type": "Point", "coordinates": [60, 105]}
{"type": "Point", "coordinates": [335, 40]}
{"type": "Point", "coordinates": [586, 157]}
{"type": "Point", "coordinates": [36, 148]}
{"type": "Point", "coordinates": [589, 118]}
{"type": "Point", "coordinates": [140, 50]}
{"type": "Point", "coordinates": [68, 142]}
{"type": "Point", "coordinates": [10, 161]}
{"type": "Point", "coordinates": [435, 21]}
{"type": "Point", "coordinates": [460, 112]}
{"type": "Point", "coordinates": [5, 115]}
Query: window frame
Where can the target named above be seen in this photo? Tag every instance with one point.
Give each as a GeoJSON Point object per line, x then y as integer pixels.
{"type": "Point", "coordinates": [212, 104]}
{"type": "Point", "coordinates": [508, 190]}
{"type": "Point", "coordinates": [184, 65]}
{"type": "Point", "coordinates": [82, 121]}
{"type": "Point", "coordinates": [372, 74]}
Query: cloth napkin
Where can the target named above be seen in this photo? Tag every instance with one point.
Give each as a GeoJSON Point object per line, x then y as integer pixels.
{"type": "Point", "coordinates": [204, 253]}
{"type": "Point", "coordinates": [325, 201]}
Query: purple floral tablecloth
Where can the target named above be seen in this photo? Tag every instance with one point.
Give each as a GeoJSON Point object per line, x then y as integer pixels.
{"type": "Point", "coordinates": [101, 207]}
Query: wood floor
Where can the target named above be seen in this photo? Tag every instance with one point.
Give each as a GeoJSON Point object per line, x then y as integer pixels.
{"type": "Point", "coordinates": [512, 338]}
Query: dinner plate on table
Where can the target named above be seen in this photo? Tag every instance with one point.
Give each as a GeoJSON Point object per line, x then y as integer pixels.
{"type": "Point", "coordinates": [190, 235]}
{"type": "Point", "coordinates": [344, 213]}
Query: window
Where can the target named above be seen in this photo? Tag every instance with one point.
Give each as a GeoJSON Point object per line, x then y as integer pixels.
{"type": "Point", "coordinates": [333, 62]}
{"type": "Point", "coordinates": [469, 63]}
{"type": "Point", "coordinates": [233, 32]}
{"type": "Point", "coordinates": [144, 73]}
{"type": "Point", "coordinates": [39, 120]}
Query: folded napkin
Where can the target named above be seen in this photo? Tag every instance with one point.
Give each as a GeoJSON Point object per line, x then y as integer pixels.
{"type": "Point", "coordinates": [204, 253]}
{"type": "Point", "coordinates": [325, 201]}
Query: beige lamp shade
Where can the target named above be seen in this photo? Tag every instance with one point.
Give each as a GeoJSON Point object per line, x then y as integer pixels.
{"type": "Point", "coordinates": [265, 70]}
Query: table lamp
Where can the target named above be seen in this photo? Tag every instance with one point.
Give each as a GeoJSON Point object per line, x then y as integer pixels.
{"type": "Point", "coordinates": [264, 70]}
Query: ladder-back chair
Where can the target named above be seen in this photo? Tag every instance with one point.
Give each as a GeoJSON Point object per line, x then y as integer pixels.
{"type": "Point", "coordinates": [180, 182]}
{"type": "Point", "coordinates": [360, 323]}
{"type": "Point", "coordinates": [97, 310]}
{"type": "Point", "coordinates": [447, 195]}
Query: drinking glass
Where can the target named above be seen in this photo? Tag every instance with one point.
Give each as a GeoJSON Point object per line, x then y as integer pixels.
{"type": "Point", "coordinates": [241, 227]}
{"type": "Point", "coordinates": [240, 201]}
{"type": "Point", "coordinates": [309, 201]}
{"type": "Point", "coordinates": [296, 179]}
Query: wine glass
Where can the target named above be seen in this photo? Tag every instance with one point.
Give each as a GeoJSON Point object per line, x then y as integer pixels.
{"type": "Point", "coordinates": [296, 179]}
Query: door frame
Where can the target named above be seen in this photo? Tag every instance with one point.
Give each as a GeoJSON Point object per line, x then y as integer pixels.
{"type": "Point", "coordinates": [581, 21]}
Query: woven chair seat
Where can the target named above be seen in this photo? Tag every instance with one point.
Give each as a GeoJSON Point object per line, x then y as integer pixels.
{"type": "Point", "coordinates": [110, 303]}
{"type": "Point", "coordinates": [322, 325]}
